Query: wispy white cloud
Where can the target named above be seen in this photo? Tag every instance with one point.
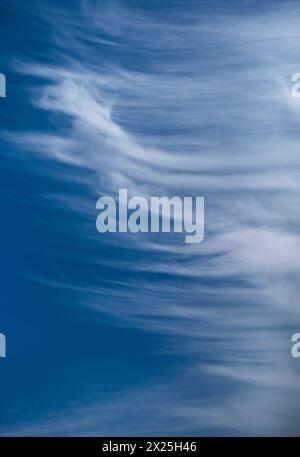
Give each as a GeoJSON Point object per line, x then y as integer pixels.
{"type": "Point", "coordinates": [202, 106]}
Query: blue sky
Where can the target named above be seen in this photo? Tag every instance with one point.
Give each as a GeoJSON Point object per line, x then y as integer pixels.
{"type": "Point", "coordinates": [123, 334]}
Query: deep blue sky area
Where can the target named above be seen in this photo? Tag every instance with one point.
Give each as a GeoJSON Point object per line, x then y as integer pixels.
{"type": "Point", "coordinates": [117, 335]}
{"type": "Point", "coordinates": [56, 356]}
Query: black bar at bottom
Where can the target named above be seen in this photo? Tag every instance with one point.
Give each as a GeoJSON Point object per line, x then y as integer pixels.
{"type": "Point", "coordinates": [143, 446]}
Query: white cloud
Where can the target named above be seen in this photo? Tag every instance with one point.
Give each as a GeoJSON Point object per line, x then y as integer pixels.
{"type": "Point", "coordinates": [207, 112]}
